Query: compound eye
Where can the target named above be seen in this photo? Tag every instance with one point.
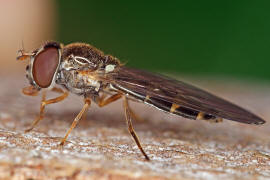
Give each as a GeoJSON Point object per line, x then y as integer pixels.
{"type": "Point", "coordinates": [44, 66]}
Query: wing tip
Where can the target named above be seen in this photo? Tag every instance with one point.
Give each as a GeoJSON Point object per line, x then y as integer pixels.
{"type": "Point", "coordinates": [248, 120]}
{"type": "Point", "coordinates": [259, 122]}
{"type": "Point", "coordinates": [256, 120]}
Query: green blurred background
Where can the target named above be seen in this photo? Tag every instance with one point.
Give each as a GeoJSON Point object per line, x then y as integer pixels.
{"type": "Point", "coordinates": [221, 38]}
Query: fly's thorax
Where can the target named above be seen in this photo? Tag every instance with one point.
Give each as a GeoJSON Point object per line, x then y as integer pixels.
{"type": "Point", "coordinates": [82, 54]}
{"type": "Point", "coordinates": [83, 80]}
{"type": "Point", "coordinates": [83, 68]}
{"type": "Point", "coordinates": [79, 83]}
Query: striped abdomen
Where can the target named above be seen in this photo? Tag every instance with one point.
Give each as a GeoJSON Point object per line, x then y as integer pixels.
{"type": "Point", "coordinates": [171, 107]}
{"type": "Point", "coordinates": [179, 110]}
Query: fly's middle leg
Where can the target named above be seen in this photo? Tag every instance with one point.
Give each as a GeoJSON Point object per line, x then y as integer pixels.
{"type": "Point", "coordinates": [103, 102]}
{"type": "Point", "coordinates": [87, 104]}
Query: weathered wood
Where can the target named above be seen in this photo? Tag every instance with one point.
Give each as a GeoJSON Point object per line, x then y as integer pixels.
{"type": "Point", "coordinates": [101, 147]}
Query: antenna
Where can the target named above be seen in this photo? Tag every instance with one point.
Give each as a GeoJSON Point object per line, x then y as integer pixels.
{"type": "Point", "coordinates": [22, 55]}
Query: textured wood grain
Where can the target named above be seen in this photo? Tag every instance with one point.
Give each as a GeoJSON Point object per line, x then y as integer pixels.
{"type": "Point", "coordinates": [101, 147]}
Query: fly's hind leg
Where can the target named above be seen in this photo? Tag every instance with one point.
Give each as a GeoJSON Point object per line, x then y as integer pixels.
{"type": "Point", "coordinates": [135, 117]}
{"type": "Point", "coordinates": [128, 113]}
{"type": "Point", "coordinates": [87, 103]}
{"type": "Point", "coordinates": [45, 102]}
{"type": "Point", "coordinates": [131, 129]}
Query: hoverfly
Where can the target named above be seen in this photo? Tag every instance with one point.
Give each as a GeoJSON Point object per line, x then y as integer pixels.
{"type": "Point", "coordinates": [82, 69]}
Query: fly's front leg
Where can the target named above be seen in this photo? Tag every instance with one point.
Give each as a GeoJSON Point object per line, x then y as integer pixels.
{"type": "Point", "coordinates": [45, 102]}
{"type": "Point", "coordinates": [87, 103]}
{"type": "Point", "coordinates": [30, 91]}
{"type": "Point", "coordinates": [131, 129]}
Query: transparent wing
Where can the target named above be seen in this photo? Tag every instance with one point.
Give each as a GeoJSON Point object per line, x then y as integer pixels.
{"type": "Point", "coordinates": [170, 90]}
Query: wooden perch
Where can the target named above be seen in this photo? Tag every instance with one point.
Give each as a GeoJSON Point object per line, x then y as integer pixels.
{"type": "Point", "coordinates": [101, 146]}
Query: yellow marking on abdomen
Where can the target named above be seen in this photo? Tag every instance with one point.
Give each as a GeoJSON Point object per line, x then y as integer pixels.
{"type": "Point", "coordinates": [146, 98]}
{"type": "Point", "coordinates": [200, 116]}
{"type": "Point", "coordinates": [174, 107]}
{"type": "Point", "coordinates": [218, 120]}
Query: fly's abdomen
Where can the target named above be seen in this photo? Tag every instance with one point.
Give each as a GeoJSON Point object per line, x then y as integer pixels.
{"type": "Point", "coordinates": [179, 110]}
{"type": "Point", "coordinates": [170, 107]}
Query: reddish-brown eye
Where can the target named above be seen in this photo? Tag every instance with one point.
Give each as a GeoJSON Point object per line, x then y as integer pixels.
{"type": "Point", "coordinates": [44, 67]}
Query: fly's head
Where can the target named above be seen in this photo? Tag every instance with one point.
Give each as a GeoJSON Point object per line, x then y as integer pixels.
{"type": "Point", "coordinates": [43, 66]}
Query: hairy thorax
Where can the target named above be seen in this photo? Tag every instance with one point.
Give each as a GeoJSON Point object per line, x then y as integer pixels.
{"type": "Point", "coordinates": [84, 69]}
